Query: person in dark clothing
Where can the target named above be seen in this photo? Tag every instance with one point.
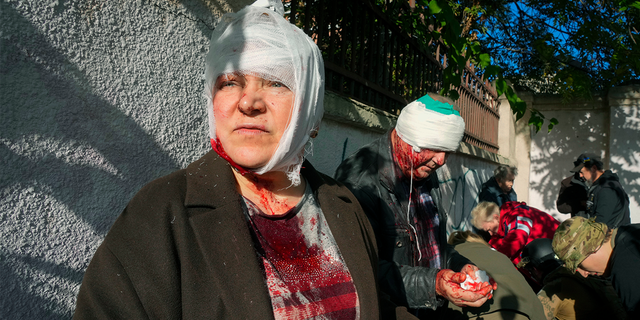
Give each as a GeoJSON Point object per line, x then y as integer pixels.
{"type": "Point", "coordinates": [593, 249]}
{"type": "Point", "coordinates": [565, 295]}
{"type": "Point", "coordinates": [395, 181]}
{"type": "Point", "coordinates": [499, 188]}
{"type": "Point", "coordinates": [606, 200]}
{"type": "Point", "coordinates": [572, 197]}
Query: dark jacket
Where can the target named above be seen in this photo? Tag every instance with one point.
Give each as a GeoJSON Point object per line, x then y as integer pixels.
{"type": "Point", "coordinates": [623, 267]}
{"type": "Point", "coordinates": [572, 197]}
{"type": "Point", "coordinates": [370, 174]}
{"type": "Point", "coordinates": [572, 296]}
{"type": "Point", "coordinates": [182, 249]}
{"type": "Point", "coordinates": [608, 202]}
{"type": "Point", "coordinates": [492, 192]}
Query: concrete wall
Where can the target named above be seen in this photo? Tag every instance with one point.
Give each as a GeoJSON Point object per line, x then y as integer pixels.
{"type": "Point", "coordinates": [624, 142]}
{"type": "Point", "coordinates": [100, 97]}
{"type": "Point", "coordinates": [608, 126]}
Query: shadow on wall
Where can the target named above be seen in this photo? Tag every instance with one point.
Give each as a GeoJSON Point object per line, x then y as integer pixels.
{"type": "Point", "coordinates": [60, 144]}
{"type": "Point", "coordinates": [588, 130]}
{"type": "Point", "coordinates": [625, 151]}
{"type": "Point", "coordinates": [72, 159]}
{"type": "Point", "coordinates": [559, 148]}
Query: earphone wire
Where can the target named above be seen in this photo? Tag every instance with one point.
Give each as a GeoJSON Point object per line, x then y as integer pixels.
{"type": "Point", "coordinates": [415, 233]}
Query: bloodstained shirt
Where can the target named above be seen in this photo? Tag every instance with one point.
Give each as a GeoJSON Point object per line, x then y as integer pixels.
{"type": "Point", "coordinates": [304, 269]}
{"type": "Point", "coordinates": [424, 223]}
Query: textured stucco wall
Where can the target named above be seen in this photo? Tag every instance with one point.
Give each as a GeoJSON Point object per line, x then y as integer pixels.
{"type": "Point", "coordinates": [98, 98]}
{"type": "Point", "coordinates": [624, 142]}
{"type": "Point", "coordinates": [608, 126]}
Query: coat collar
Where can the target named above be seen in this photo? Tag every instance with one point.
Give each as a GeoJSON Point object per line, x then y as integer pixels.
{"type": "Point", "coordinates": [222, 236]}
{"type": "Point", "coordinates": [210, 183]}
{"type": "Point", "coordinates": [221, 230]}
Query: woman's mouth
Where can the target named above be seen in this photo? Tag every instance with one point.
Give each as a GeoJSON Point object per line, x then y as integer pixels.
{"type": "Point", "coordinates": [250, 129]}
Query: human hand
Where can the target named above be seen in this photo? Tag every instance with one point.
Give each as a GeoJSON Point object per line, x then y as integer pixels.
{"type": "Point", "coordinates": [471, 271]}
{"type": "Point", "coordinates": [448, 286]}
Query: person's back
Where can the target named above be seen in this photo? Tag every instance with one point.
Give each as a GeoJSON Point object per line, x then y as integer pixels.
{"type": "Point", "coordinates": [570, 296]}
{"type": "Point", "coordinates": [623, 265]}
{"type": "Point", "coordinates": [608, 202]}
{"type": "Point", "coordinates": [512, 226]}
{"type": "Point", "coordinates": [572, 197]}
{"type": "Point", "coordinates": [564, 295]}
{"type": "Point", "coordinates": [514, 298]}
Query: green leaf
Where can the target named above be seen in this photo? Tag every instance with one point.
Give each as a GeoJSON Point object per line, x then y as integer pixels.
{"type": "Point", "coordinates": [492, 70]}
{"type": "Point", "coordinates": [501, 86]}
{"type": "Point", "coordinates": [484, 59]}
{"type": "Point", "coordinates": [552, 122]}
{"type": "Point", "coordinates": [535, 120]}
{"type": "Point", "coordinates": [434, 7]}
{"type": "Point", "coordinates": [475, 48]}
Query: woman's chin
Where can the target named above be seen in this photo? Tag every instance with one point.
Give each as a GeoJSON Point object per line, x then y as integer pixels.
{"type": "Point", "coordinates": [250, 163]}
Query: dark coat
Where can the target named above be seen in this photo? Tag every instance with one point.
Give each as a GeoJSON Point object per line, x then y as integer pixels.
{"type": "Point", "coordinates": [623, 267]}
{"type": "Point", "coordinates": [572, 197]}
{"type": "Point", "coordinates": [572, 296]}
{"type": "Point", "coordinates": [492, 192]}
{"type": "Point", "coordinates": [370, 174]}
{"type": "Point", "coordinates": [182, 249]}
{"type": "Point", "coordinates": [608, 202]}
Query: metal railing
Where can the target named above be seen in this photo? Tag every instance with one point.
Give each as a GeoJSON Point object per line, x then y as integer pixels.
{"type": "Point", "coordinates": [370, 59]}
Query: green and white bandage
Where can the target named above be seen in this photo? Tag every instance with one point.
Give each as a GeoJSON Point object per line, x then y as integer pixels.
{"type": "Point", "coordinates": [432, 124]}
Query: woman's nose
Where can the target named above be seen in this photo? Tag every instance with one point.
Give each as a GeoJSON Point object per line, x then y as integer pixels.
{"type": "Point", "coordinates": [251, 101]}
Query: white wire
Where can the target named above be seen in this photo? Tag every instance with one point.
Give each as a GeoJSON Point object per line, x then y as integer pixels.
{"type": "Point", "coordinates": [415, 233]}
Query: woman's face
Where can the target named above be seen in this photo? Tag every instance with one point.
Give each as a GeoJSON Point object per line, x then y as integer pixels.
{"type": "Point", "coordinates": [251, 116]}
{"type": "Point", "coordinates": [492, 226]}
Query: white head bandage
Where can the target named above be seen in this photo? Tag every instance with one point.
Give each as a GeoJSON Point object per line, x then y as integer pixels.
{"type": "Point", "coordinates": [430, 124]}
{"type": "Point", "coordinates": [260, 42]}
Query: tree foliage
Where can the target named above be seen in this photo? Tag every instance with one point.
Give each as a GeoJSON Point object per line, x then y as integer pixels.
{"type": "Point", "coordinates": [568, 47]}
{"type": "Point", "coordinates": [453, 24]}
{"type": "Point", "coordinates": [564, 46]}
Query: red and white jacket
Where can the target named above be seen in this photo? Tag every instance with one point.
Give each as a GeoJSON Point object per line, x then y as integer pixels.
{"type": "Point", "coordinates": [519, 225]}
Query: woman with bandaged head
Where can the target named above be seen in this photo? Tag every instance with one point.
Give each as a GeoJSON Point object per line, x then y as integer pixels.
{"type": "Point", "coordinates": [251, 230]}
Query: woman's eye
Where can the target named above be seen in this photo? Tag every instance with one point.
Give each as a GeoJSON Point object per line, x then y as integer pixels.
{"type": "Point", "coordinates": [227, 81]}
{"type": "Point", "coordinates": [276, 84]}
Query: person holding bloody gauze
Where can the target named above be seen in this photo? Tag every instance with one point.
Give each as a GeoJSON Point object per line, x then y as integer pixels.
{"type": "Point", "coordinates": [250, 230]}
{"type": "Point", "coordinates": [395, 180]}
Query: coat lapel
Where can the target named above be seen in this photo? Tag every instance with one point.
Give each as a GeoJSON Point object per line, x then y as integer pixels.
{"type": "Point", "coordinates": [216, 216]}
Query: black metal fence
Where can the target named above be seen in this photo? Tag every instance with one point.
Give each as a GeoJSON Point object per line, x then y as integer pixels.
{"type": "Point", "coordinates": [368, 58]}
